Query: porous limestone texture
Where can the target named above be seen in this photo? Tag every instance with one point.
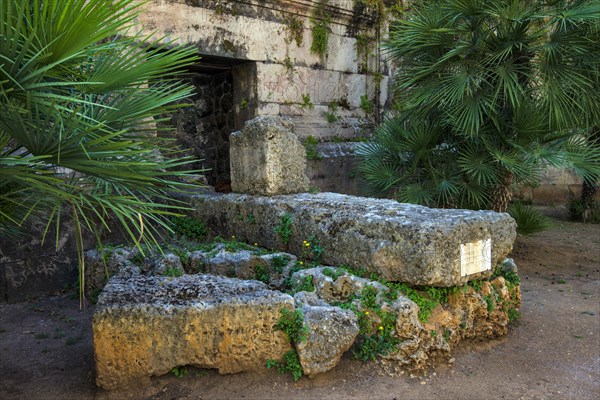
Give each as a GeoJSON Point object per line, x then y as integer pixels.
{"type": "Point", "coordinates": [271, 268]}
{"type": "Point", "coordinates": [331, 332]}
{"type": "Point", "coordinates": [400, 242]}
{"type": "Point", "coordinates": [478, 312]}
{"type": "Point", "coordinates": [147, 325]}
{"type": "Point", "coordinates": [267, 158]}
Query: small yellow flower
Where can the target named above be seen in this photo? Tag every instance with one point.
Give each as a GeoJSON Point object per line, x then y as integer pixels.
{"type": "Point", "coordinates": [307, 244]}
{"type": "Point", "coordinates": [380, 327]}
{"type": "Point", "coordinates": [304, 241]}
{"type": "Point", "coordinates": [301, 263]}
{"type": "Point", "coordinates": [233, 237]}
{"type": "Point", "coordinates": [256, 244]}
{"type": "Point", "coordinates": [366, 313]}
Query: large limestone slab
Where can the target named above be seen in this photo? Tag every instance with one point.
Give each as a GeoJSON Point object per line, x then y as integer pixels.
{"type": "Point", "coordinates": [146, 325]}
{"type": "Point", "coordinates": [401, 242]}
{"type": "Point", "coordinates": [266, 158]}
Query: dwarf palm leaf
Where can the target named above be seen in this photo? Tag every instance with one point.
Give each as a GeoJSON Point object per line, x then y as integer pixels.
{"type": "Point", "coordinates": [512, 86]}
{"type": "Point", "coordinates": [77, 118]}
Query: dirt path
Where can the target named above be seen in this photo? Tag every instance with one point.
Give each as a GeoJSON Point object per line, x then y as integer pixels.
{"type": "Point", "coordinates": [552, 353]}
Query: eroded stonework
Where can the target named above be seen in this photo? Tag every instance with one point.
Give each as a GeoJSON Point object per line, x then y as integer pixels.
{"type": "Point", "coordinates": [267, 159]}
{"type": "Point", "coordinates": [147, 325]}
{"type": "Point", "coordinates": [400, 242]}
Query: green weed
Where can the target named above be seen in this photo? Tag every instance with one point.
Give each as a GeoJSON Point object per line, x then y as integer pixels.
{"type": "Point", "coordinates": [262, 273]}
{"type": "Point", "coordinates": [291, 323]}
{"type": "Point", "coordinates": [305, 285]}
{"type": "Point", "coordinates": [284, 229]}
{"type": "Point", "coordinates": [307, 102]}
{"type": "Point", "coordinates": [279, 262]}
{"type": "Point", "coordinates": [312, 151]}
{"type": "Point", "coordinates": [172, 272]}
{"type": "Point", "coordinates": [289, 364]}
{"type": "Point", "coordinates": [180, 371]}
{"type": "Point", "coordinates": [513, 315]}
{"type": "Point", "coordinates": [189, 228]}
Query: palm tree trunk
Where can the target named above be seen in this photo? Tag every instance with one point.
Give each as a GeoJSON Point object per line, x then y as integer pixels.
{"type": "Point", "coordinates": [502, 194]}
{"type": "Point", "coordinates": [589, 188]}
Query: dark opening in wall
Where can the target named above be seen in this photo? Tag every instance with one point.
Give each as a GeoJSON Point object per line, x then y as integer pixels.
{"type": "Point", "coordinates": [224, 98]}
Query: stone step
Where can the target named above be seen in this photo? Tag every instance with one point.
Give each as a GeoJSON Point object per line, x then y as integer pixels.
{"type": "Point", "coordinates": [400, 242]}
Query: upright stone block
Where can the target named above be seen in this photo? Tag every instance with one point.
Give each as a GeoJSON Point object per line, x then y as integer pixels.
{"type": "Point", "coordinates": [267, 159]}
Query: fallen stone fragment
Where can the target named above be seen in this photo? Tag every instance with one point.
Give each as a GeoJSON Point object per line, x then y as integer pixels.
{"type": "Point", "coordinates": [147, 325]}
{"type": "Point", "coordinates": [331, 332]}
{"type": "Point", "coordinates": [400, 242]}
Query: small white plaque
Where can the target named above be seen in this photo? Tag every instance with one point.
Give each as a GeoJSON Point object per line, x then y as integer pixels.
{"type": "Point", "coordinates": [475, 257]}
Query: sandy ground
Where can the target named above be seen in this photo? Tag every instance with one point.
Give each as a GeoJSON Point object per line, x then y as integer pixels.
{"type": "Point", "coordinates": [553, 352]}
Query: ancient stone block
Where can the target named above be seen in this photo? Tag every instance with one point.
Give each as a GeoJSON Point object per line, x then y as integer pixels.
{"type": "Point", "coordinates": [331, 332]}
{"type": "Point", "coordinates": [267, 159]}
{"type": "Point", "coordinates": [147, 325]}
{"type": "Point", "coordinates": [400, 242]}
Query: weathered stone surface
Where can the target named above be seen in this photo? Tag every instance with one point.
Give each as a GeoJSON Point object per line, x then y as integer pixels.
{"type": "Point", "coordinates": [400, 242]}
{"type": "Point", "coordinates": [267, 159]}
{"type": "Point", "coordinates": [146, 325]}
{"type": "Point", "coordinates": [271, 268]}
{"type": "Point", "coordinates": [477, 312]}
{"type": "Point", "coordinates": [331, 332]}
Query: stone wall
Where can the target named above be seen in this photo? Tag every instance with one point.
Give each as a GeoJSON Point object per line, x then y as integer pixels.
{"type": "Point", "coordinates": [557, 187]}
{"type": "Point", "coordinates": [333, 97]}
{"type": "Point", "coordinates": [31, 266]}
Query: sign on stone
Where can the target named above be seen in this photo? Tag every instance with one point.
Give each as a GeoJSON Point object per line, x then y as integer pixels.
{"type": "Point", "coordinates": [475, 257]}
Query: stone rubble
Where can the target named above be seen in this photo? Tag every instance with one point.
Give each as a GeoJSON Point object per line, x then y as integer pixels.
{"type": "Point", "coordinates": [146, 323]}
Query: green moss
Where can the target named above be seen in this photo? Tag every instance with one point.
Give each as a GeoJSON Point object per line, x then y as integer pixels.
{"type": "Point", "coordinates": [490, 302]}
{"type": "Point", "coordinates": [183, 254]}
{"type": "Point", "coordinates": [229, 46]}
{"type": "Point", "coordinates": [476, 285]}
{"type": "Point", "coordinates": [513, 315]}
{"type": "Point", "coordinates": [425, 304]}
{"type": "Point", "coordinates": [295, 30]}
{"type": "Point", "coordinates": [233, 246]}
{"type": "Point", "coordinates": [509, 276]}
{"type": "Point", "coordinates": [333, 273]}
{"type": "Point", "coordinates": [173, 272]}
